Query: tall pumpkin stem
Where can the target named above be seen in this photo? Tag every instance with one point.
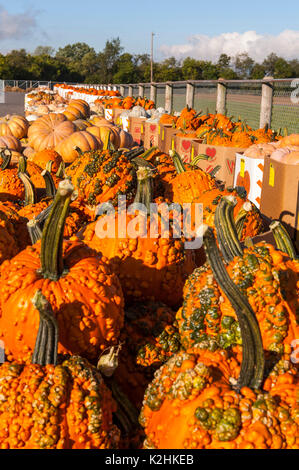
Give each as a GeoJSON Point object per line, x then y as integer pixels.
{"type": "Point", "coordinates": [144, 193]}
{"type": "Point", "coordinates": [226, 229]}
{"type": "Point", "coordinates": [30, 192]}
{"type": "Point", "coordinates": [282, 239]}
{"type": "Point", "coordinates": [52, 239]}
{"type": "Point", "coordinates": [177, 161]}
{"type": "Point", "coordinates": [253, 362]}
{"type": "Point", "coordinates": [50, 186]}
{"type": "Point", "coordinates": [45, 350]}
{"type": "Point", "coordinates": [22, 167]}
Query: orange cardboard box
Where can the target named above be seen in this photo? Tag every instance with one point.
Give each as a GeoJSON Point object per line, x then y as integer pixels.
{"type": "Point", "coordinates": [151, 134]}
{"type": "Point", "coordinates": [166, 139]}
{"type": "Point", "coordinates": [184, 146]}
{"type": "Point", "coordinates": [137, 129]}
{"type": "Point", "coordinates": [280, 195]}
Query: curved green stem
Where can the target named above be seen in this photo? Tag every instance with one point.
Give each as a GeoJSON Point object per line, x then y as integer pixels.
{"type": "Point", "coordinates": [50, 186]}
{"type": "Point", "coordinates": [215, 170]}
{"type": "Point", "coordinates": [45, 350]}
{"type": "Point", "coordinates": [144, 192]}
{"type": "Point", "coordinates": [52, 239]}
{"type": "Point", "coordinates": [226, 230]}
{"type": "Point", "coordinates": [198, 158]}
{"type": "Point", "coordinates": [60, 171]}
{"type": "Point", "coordinates": [253, 362]}
{"type": "Point", "coordinates": [6, 158]}
{"type": "Point", "coordinates": [49, 165]}
{"type": "Point", "coordinates": [177, 161]}
{"type": "Point", "coordinates": [30, 192]}
{"type": "Point", "coordinates": [282, 239]}
{"type": "Point", "coordinates": [22, 167]}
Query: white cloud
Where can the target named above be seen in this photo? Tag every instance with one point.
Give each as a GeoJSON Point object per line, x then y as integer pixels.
{"type": "Point", "coordinates": [16, 26]}
{"type": "Point", "coordinates": [258, 46]}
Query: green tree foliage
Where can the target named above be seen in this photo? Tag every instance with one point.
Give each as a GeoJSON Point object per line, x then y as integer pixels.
{"type": "Point", "coordinates": [81, 63]}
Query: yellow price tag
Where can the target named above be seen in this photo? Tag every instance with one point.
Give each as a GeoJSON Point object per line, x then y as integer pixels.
{"type": "Point", "coordinates": [192, 153]}
{"type": "Point", "coordinates": [159, 129]}
{"type": "Point", "coordinates": [271, 175]}
{"type": "Point", "coordinates": [141, 128]}
{"type": "Point", "coordinates": [162, 134]}
{"type": "Point", "coordinates": [172, 144]}
{"type": "Point", "coordinates": [242, 167]}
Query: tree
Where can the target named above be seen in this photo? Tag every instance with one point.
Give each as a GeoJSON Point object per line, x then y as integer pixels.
{"type": "Point", "coordinates": [244, 65]}
{"type": "Point", "coordinates": [257, 72]}
{"type": "Point", "coordinates": [108, 59]}
{"type": "Point", "coordinates": [126, 72]}
{"type": "Point", "coordinates": [269, 64]}
{"type": "Point", "coordinates": [282, 69]}
{"type": "Point", "coordinates": [44, 50]}
{"type": "Point", "coordinates": [191, 69]}
{"type": "Point", "coordinates": [224, 61]}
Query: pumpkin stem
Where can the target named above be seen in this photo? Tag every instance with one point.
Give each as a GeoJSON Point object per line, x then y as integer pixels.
{"type": "Point", "coordinates": [34, 230]}
{"type": "Point", "coordinates": [134, 153]}
{"type": "Point", "coordinates": [106, 140]}
{"type": "Point", "coordinates": [60, 171]}
{"type": "Point", "coordinates": [282, 239]}
{"type": "Point", "coordinates": [30, 192]}
{"type": "Point", "coordinates": [45, 350]}
{"type": "Point", "coordinates": [241, 217]}
{"type": "Point", "coordinates": [6, 158]}
{"type": "Point", "coordinates": [177, 161]}
{"type": "Point", "coordinates": [22, 167]}
{"type": "Point", "coordinates": [226, 229]}
{"type": "Point", "coordinates": [49, 165]}
{"type": "Point", "coordinates": [126, 413]}
{"type": "Point", "coordinates": [144, 192]}
{"type": "Point", "coordinates": [50, 186]}
{"type": "Point", "coordinates": [214, 171]}
{"type": "Point", "coordinates": [253, 362]}
{"type": "Point", "coordinates": [52, 238]}
{"type": "Point", "coordinates": [197, 158]}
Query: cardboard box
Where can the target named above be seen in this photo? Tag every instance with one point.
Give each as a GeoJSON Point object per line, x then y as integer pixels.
{"type": "Point", "coordinates": [151, 134]}
{"type": "Point", "coordinates": [225, 157]}
{"type": "Point", "coordinates": [166, 139]}
{"type": "Point", "coordinates": [249, 173]}
{"type": "Point", "coordinates": [184, 146]}
{"type": "Point", "coordinates": [280, 195]}
{"type": "Point", "coordinates": [137, 129]}
{"type": "Point", "coordinates": [116, 116]}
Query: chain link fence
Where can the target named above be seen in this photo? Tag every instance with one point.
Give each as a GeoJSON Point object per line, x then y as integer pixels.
{"type": "Point", "coordinates": [243, 98]}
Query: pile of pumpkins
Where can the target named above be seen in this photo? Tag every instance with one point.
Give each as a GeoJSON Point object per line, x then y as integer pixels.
{"type": "Point", "coordinates": [63, 132]}
{"type": "Point", "coordinates": [121, 342]}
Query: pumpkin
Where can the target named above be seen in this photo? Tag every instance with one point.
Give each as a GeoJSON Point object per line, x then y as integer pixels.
{"type": "Point", "coordinates": [77, 109]}
{"type": "Point", "coordinates": [101, 176]}
{"type": "Point", "coordinates": [81, 124]}
{"type": "Point", "coordinates": [82, 140]}
{"type": "Point", "coordinates": [290, 158]}
{"type": "Point", "coordinates": [188, 184]}
{"type": "Point", "coordinates": [42, 157]}
{"type": "Point", "coordinates": [148, 339]}
{"type": "Point", "coordinates": [47, 131]}
{"type": "Point", "coordinates": [85, 296]}
{"type": "Point", "coordinates": [260, 150]}
{"type": "Point", "coordinates": [212, 400]}
{"type": "Point", "coordinates": [292, 139]}
{"type": "Point", "coordinates": [11, 143]}
{"type": "Point", "coordinates": [16, 126]}
{"type": "Point", "coordinates": [11, 187]}
{"type": "Point", "coordinates": [265, 276]}
{"type": "Point", "coordinates": [100, 121]}
{"type": "Point", "coordinates": [125, 140]}
{"type": "Point", "coordinates": [28, 152]}
{"type": "Point", "coordinates": [66, 403]}
{"type": "Point", "coordinates": [13, 233]}
{"type": "Point", "coordinates": [151, 267]}
{"type": "Point", "coordinates": [106, 132]}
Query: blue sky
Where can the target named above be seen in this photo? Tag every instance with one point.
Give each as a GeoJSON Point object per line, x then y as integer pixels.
{"type": "Point", "coordinates": [197, 28]}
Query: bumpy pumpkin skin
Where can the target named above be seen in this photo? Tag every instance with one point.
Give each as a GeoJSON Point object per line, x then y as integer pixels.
{"type": "Point", "coordinates": [87, 302]}
{"type": "Point", "coordinates": [102, 176]}
{"type": "Point", "coordinates": [148, 268]}
{"type": "Point", "coordinates": [67, 406]}
{"type": "Point", "coordinates": [268, 278]}
{"type": "Point", "coordinates": [13, 232]}
{"type": "Point", "coordinates": [41, 159]}
{"type": "Point", "coordinates": [186, 186]}
{"type": "Point", "coordinates": [190, 404]}
{"type": "Point", "coordinates": [253, 223]}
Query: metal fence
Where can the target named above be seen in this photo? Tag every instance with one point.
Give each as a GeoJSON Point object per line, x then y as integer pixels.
{"type": "Point", "coordinates": [274, 102]}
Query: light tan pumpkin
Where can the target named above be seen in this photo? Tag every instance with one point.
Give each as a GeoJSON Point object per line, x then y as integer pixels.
{"type": "Point", "coordinates": [81, 124]}
{"type": "Point", "coordinates": [77, 109]}
{"type": "Point", "coordinates": [100, 121]}
{"type": "Point", "coordinates": [289, 158]}
{"type": "Point", "coordinates": [10, 142]}
{"type": "Point", "coordinates": [82, 139]}
{"type": "Point", "coordinates": [47, 131]}
{"type": "Point", "coordinates": [102, 134]}
{"type": "Point", "coordinates": [15, 125]}
{"type": "Point", "coordinates": [126, 140]}
{"type": "Point", "coordinates": [292, 139]}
